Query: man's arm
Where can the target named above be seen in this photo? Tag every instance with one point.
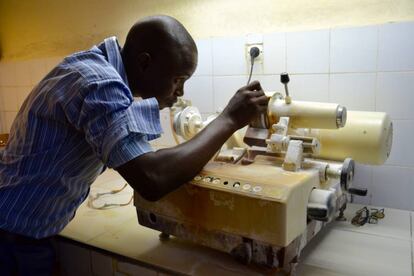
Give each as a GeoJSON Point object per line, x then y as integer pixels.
{"type": "Point", "coordinates": [155, 174]}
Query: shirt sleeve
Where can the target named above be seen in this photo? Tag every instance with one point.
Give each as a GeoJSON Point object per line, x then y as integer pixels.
{"type": "Point", "coordinates": [116, 126]}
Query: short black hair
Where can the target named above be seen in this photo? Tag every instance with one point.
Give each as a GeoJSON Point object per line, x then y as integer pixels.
{"type": "Point", "coordinates": [158, 35]}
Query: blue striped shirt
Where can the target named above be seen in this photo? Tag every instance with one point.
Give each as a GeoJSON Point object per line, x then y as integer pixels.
{"type": "Point", "coordinates": [80, 119]}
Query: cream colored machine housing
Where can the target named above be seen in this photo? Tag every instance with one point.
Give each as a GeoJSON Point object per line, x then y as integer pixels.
{"type": "Point", "coordinates": [364, 136]}
{"type": "Point", "coordinates": [264, 199]}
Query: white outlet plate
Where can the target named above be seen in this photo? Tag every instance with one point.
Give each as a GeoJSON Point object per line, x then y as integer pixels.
{"type": "Point", "coordinates": [257, 60]}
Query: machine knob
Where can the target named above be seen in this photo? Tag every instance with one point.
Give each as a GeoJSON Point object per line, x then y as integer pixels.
{"type": "Point", "coordinates": [347, 173]}
{"type": "Point", "coordinates": [358, 191]}
{"type": "Point", "coordinates": [284, 78]}
{"type": "Point", "coordinates": [341, 115]}
{"type": "Point", "coordinates": [322, 205]}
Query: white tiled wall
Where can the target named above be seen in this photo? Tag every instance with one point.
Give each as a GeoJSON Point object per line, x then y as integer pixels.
{"type": "Point", "coordinates": [354, 50]}
{"type": "Point", "coordinates": [364, 68]}
{"type": "Point", "coordinates": [17, 79]}
{"type": "Point", "coordinates": [307, 52]}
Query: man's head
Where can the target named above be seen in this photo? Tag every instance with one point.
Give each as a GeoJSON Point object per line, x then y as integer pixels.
{"type": "Point", "coordinates": [159, 56]}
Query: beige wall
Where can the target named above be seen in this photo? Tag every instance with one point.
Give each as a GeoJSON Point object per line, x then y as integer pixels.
{"type": "Point", "coordinates": [45, 28]}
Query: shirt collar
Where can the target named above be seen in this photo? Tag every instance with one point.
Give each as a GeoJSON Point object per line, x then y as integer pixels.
{"type": "Point", "coordinates": [114, 56]}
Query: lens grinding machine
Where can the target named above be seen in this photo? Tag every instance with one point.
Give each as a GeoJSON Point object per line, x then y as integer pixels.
{"type": "Point", "coordinates": [273, 186]}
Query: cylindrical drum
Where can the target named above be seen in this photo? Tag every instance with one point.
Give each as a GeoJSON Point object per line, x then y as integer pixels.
{"type": "Point", "coordinates": [306, 114]}
{"type": "Point", "coordinates": [366, 138]}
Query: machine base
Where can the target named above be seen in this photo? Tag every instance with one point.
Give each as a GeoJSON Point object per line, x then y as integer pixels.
{"type": "Point", "coordinates": [247, 251]}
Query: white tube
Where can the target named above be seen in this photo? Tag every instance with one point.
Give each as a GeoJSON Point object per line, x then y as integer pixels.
{"type": "Point", "coordinates": [307, 114]}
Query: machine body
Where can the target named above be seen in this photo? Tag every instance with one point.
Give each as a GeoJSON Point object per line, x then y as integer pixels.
{"type": "Point", "coordinates": [272, 187]}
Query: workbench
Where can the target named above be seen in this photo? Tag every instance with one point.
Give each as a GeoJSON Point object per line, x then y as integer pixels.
{"type": "Point", "coordinates": [341, 248]}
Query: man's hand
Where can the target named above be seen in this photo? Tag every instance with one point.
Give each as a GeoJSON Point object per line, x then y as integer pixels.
{"type": "Point", "coordinates": [155, 174]}
{"type": "Point", "coordinates": [248, 102]}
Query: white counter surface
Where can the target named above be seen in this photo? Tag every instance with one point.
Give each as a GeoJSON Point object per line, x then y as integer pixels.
{"type": "Point", "coordinates": [341, 249]}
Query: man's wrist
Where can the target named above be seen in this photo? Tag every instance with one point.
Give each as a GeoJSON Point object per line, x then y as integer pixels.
{"type": "Point", "coordinates": [228, 123]}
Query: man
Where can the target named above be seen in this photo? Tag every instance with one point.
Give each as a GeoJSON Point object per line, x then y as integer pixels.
{"type": "Point", "coordinates": [82, 118]}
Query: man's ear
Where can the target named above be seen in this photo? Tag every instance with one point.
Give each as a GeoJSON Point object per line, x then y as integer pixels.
{"type": "Point", "coordinates": [144, 60]}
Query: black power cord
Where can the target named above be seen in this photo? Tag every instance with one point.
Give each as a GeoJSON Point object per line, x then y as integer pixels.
{"type": "Point", "coordinates": [254, 53]}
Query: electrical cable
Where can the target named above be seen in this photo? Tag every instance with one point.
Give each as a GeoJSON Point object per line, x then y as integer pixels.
{"type": "Point", "coordinates": [254, 53]}
{"type": "Point", "coordinates": [93, 199]}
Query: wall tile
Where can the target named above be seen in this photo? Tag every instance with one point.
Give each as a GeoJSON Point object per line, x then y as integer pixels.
{"type": "Point", "coordinates": [2, 92]}
{"type": "Point", "coordinates": [354, 49]}
{"type": "Point", "coordinates": [354, 91]}
{"type": "Point", "coordinates": [50, 63]}
{"type": "Point", "coordinates": [166, 138]}
{"type": "Point", "coordinates": [23, 73]}
{"type": "Point", "coordinates": [401, 154]}
{"type": "Point", "coordinates": [274, 53]}
{"type": "Point", "coordinates": [101, 264]}
{"type": "Point", "coordinates": [8, 120]}
{"type": "Point", "coordinates": [225, 88]}
{"type": "Point", "coordinates": [229, 56]}
{"type": "Point", "coordinates": [37, 70]}
{"type": "Point", "coordinates": [205, 59]}
{"type": "Point", "coordinates": [363, 179]}
{"type": "Point", "coordinates": [253, 38]}
{"type": "Point", "coordinates": [412, 253]}
{"type": "Point", "coordinates": [270, 83]}
{"type": "Point", "coordinates": [313, 88]}
{"type": "Point", "coordinates": [395, 94]}
{"type": "Point", "coordinates": [308, 52]}
{"type": "Point", "coordinates": [9, 98]}
{"type": "Point", "coordinates": [3, 123]}
{"type": "Point", "coordinates": [396, 44]}
{"type": "Point", "coordinates": [257, 68]}
{"type": "Point", "coordinates": [199, 89]}
{"type": "Point", "coordinates": [22, 93]}
{"type": "Point", "coordinates": [7, 73]}
{"type": "Point", "coordinates": [392, 187]}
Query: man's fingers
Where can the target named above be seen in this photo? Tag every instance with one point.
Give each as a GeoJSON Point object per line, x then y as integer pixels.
{"type": "Point", "coordinates": [262, 108]}
{"type": "Point", "coordinates": [254, 85]}
{"type": "Point", "coordinates": [261, 100]}
{"type": "Point", "coordinates": [255, 94]}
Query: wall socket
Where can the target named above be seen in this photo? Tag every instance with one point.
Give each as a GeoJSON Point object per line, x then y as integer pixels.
{"type": "Point", "coordinates": [258, 59]}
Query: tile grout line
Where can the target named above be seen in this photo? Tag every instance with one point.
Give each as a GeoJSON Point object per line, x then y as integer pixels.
{"type": "Point", "coordinates": [263, 74]}
{"type": "Point", "coordinates": [329, 64]}
{"type": "Point", "coordinates": [412, 243]}
{"type": "Point", "coordinates": [286, 51]}
{"type": "Point", "coordinates": [297, 73]}
{"type": "Point", "coordinates": [213, 96]}
{"type": "Point", "coordinates": [376, 88]}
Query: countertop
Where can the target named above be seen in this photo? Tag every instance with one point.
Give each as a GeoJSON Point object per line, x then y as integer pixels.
{"type": "Point", "coordinates": [340, 249]}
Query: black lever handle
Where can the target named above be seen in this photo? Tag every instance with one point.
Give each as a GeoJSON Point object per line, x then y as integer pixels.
{"type": "Point", "coordinates": [358, 191]}
{"type": "Point", "coordinates": [284, 78]}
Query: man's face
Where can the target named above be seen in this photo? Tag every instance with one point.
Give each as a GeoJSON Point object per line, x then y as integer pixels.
{"type": "Point", "coordinates": [166, 78]}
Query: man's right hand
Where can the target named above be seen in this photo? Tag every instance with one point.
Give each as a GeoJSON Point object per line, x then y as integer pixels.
{"type": "Point", "coordinates": [155, 174]}
{"type": "Point", "coordinates": [248, 102]}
